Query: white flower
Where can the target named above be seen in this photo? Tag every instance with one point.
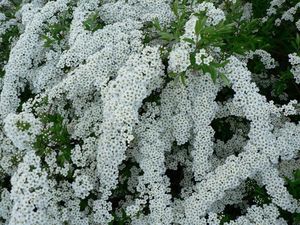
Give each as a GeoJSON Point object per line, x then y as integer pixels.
{"type": "Point", "coordinates": [82, 186]}
{"type": "Point", "coordinates": [179, 59]}
{"type": "Point", "coordinates": [208, 60]}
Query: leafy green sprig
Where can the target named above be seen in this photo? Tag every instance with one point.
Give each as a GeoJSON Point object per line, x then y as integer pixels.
{"type": "Point", "coordinates": [54, 137]}
{"type": "Point", "coordinates": [10, 35]}
{"type": "Point", "coordinates": [55, 33]}
{"type": "Point", "coordinates": [206, 36]}
{"type": "Point", "coordinates": [93, 22]}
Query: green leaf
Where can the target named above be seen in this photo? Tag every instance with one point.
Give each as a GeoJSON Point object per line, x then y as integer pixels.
{"type": "Point", "coordinates": [219, 65]}
{"type": "Point", "coordinates": [225, 79]}
{"type": "Point", "coordinates": [296, 43]}
{"type": "Point", "coordinates": [48, 42]}
{"type": "Point", "coordinates": [166, 36]}
{"type": "Point", "coordinates": [193, 59]}
{"type": "Point", "coordinates": [297, 218]}
{"type": "Point", "coordinates": [175, 8]}
{"type": "Point", "coordinates": [226, 29]}
{"type": "Point", "coordinates": [297, 174]}
{"type": "Point", "coordinates": [213, 74]}
{"type": "Point", "coordinates": [198, 27]}
{"type": "Point", "coordinates": [189, 40]}
{"type": "Point", "coordinates": [183, 78]}
{"type": "Point", "coordinates": [23, 125]}
{"type": "Point", "coordinates": [204, 68]}
{"type": "Point", "coordinates": [172, 74]}
{"type": "Point", "coordinates": [156, 24]}
{"type": "Point", "coordinates": [211, 70]}
{"type": "Point", "coordinates": [93, 22]}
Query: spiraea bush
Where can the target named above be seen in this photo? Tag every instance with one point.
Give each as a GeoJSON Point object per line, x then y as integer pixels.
{"type": "Point", "coordinates": [149, 112]}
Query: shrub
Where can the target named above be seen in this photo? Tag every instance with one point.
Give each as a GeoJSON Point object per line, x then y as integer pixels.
{"type": "Point", "coordinates": [153, 112]}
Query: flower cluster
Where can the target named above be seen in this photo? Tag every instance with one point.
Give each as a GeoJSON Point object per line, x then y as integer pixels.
{"type": "Point", "coordinates": [294, 59]}
{"type": "Point", "coordinates": [203, 57]}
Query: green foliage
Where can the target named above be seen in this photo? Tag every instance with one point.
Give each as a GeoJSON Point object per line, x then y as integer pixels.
{"type": "Point", "coordinates": [238, 42]}
{"type": "Point", "coordinates": [212, 69]}
{"type": "Point", "coordinates": [231, 212]}
{"type": "Point", "coordinates": [16, 159]}
{"type": "Point", "coordinates": [23, 126]}
{"type": "Point", "coordinates": [54, 137]}
{"type": "Point", "coordinates": [93, 22]}
{"type": "Point", "coordinates": [55, 33]}
{"type": "Point", "coordinates": [257, 194]}
{"type": "Point", "coordinates": [25, 95]}
{"type": "Point", "coordinates": [285, 80]}
{"type": "Point", "coordinates": [120, 192]}
{"type": "Point", "coordinates": [176, 29]}
{"type": "Point", "coordinates": [120, 220]}
{"type": "Point", "coordinates": [225, 218]}
{"type": "Point", "coordinates": [10, 11]}
{"type": "Point", "coordinates": [207, 36]}
{"type": "Point", "coordinates": [41, 103]}
{"type": "Point", "coordinates": [296, 43]}
{"type": "Point", "coordinates": [5, 46]}
{"type": "Point", "coordinates": [260, 7]}
{"type": "Point", "coordinates": [282, 83]}
{"type": "Point", "coordinates": [178, 77]}
{"type": "Point", "coordinates": [293, 185]}
{"type": "Point", "coordinates": [247, 34]}
{"type": "Point", "coordinates": [290, 218]}
{"type": "Point", "coordinates": [10, 35]}
{"type": "Point", "coordinates": [212, 35]}
{"type": "Point", "coordinates": [256, 66]}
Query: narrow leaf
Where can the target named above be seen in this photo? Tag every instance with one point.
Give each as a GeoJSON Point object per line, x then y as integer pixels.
{"type": "Point", "coordinates": [172, 74]}
{"type": "Point", "coordinates": [166, 36]}
{"type": "Point", "coordinates": [182, 78]}
{"type": "Point", "coordinates": [200, 25]}
{"type": "Point", "coordinates": [156, 24]}
{"type": "Point", "coordinates": [225, 79]}
{"type": "Point", "coordinates": [189, 40]}
{"type": "Point", "coordinates": [213, 73]}
{"type": "Point", "coordinates": [175, 7]}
